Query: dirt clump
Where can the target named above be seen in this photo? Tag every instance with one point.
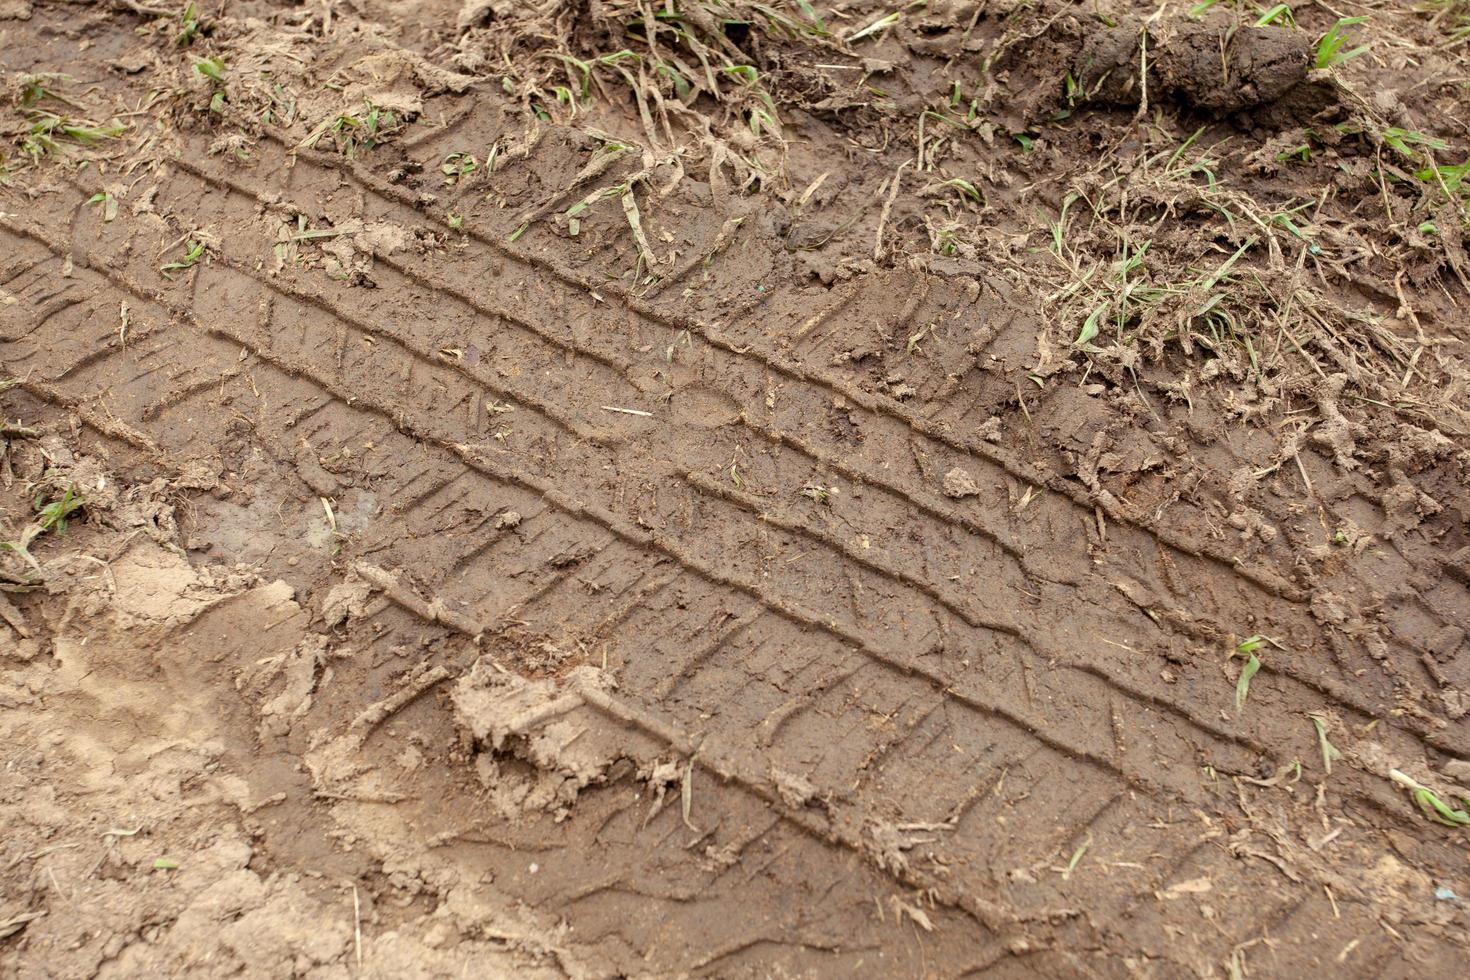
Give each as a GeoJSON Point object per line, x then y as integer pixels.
{"type": "Point", "coordinates": [1213, 65]}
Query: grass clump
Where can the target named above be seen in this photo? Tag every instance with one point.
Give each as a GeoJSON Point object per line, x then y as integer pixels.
{"type": "Point", "coordinates": [53, 514]}
{"type": "Point", "coordinates": [108, 203]}
{"type": "Point", "coordinates": [457, 166]}
{"type": "Point", "coordinates": [52, 127]}
{"type": "Point", "coordinates": [1449, 17]}
{"type": "Point", "coordinates": [193, 252]}
{"type": "Point", "coordinates": [191, 25]}
{"type": "Point", "coordinates": [213, 71]}
{"type": "Point", "coordinates": [354, 131]}
{"type": "Point", "coordinates": [1330, 752]}
{"type": "Point", "coordinates": [1330, 51]}
{"type": "Point", "coordinates": [49, 133]}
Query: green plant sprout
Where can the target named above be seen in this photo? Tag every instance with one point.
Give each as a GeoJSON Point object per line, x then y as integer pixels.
{"type": "Point", "coordinates": [193, 253]}
{"type": "Point", "coordinates": [1330, 51]}
{"type": "Point", "coordinates": [1429, 802]}
{"type": "Point", "coordinates": [1246, 648]}
{"type": "Point", "coordinates": [1329, 751]}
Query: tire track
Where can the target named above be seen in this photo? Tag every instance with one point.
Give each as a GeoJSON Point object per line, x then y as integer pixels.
{"type": "Point", "coordinates": [904, 667]}
{"type": "Point", "coordinates": [932, 511]}
{"type": "Point", "coordinates": [1336, 691]}
{"type": "Point", "coordinates": [775, 361]}
{"type": "Point", "coordinates": [640, 538]}
{"type": "Point", "coordinates": [818, 621]}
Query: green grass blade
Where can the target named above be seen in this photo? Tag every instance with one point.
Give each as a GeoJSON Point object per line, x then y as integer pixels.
{"type": "Point", "coordinates": [1243, 685]}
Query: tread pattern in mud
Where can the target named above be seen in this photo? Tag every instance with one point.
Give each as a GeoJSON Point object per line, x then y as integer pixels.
{"type": "Point", "coordinates": [762, 549]}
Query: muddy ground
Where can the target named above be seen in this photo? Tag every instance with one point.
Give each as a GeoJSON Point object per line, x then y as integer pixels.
{"type": "Point", "coordinates": [673, 488]}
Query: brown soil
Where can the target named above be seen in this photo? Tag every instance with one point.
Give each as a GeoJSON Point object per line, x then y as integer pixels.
{"type": "Point", "coordinates": [610, 489]}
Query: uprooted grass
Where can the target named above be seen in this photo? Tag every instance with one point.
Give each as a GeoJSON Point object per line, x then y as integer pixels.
{"type": "Point", "coordinates": [1166, 253]}
{"type": "Point", "coordinates": [690, 84]}
{"type": "Point", "coordinates": [1430, 803]}
{"type": "Point", "coordinates": [351, 132]}
{"type": "Point", "coordinates": [44, 122]}
{"type": "Point", "coordinates": [1450, 18]}
{"type": "Point", "coordinates": [1174, 250]}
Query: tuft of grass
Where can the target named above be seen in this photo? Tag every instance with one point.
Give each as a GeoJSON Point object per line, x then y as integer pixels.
{"type": "Point", "coordinates": [1451, 17]}
{"type": "Point", "coordinates": [1279, 14]}
{"type": "Point", "coordinates": [108, 202]}
{"type": "Point", "coordinates": [457, 166]}
{"type": "Point", "coordinates": [1408, 141]}
{"type": "Point", "coordinates": [1453, 180]}
{"type": "Point", "coordinates": [1246, 648]}
{"type": "Point", "coordinates": [52, 515]}
{"type": "Point", "coordinates": [817, 493]}
{"type": "Point", "coordinates": [353, 131]}
{"type": "Point", "coordinates": [876, 27]}
{"type": "Point", "coordinates": [48, 132]}
{"type": "Point", "coordinates": [191, 25]}
{"type": "Point", "coordinates": [1076, 859]}
{"type": "Point", "coordinates": [192, 254]}
{"type": "Point", "coordinates": [213, 69]}
{"type": "Point", "coordinates": [965, 188]}
{"type": "Point", "coordinates": [810, 23]}
{"type": "Point", "coordinates": [1330, 51]}
{"type": "Point", "coordinates": [1302, 152]}
{"type": "Point", "coordinates": [1456, 178]}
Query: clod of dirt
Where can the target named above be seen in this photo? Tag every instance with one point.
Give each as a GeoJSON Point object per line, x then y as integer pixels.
{"type": "Point", "coordinates": [476, 13]}
{"type": "Point", "coordinates": [1405, 506]}
{"type": "Point", "coordinates": [1337, 432]}
{"type": "Point", "coordinates": [1251, 523]}
{"type": "Point", "coordinates": [539, 721]}
{"type": "Point", "coordinates": [959, 483]}
{"type": "Point", "coordinates": [346, 600]}
{"type": "Point", "coordinates": [1209, 64]}
{"type": "Point", "coordinates": [297, 670]}
{"type": "Point", "coordinates": [796, 790]}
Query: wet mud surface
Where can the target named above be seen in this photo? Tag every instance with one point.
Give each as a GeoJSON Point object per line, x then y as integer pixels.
{"type": "Point", "coordinates": [923, 501]}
